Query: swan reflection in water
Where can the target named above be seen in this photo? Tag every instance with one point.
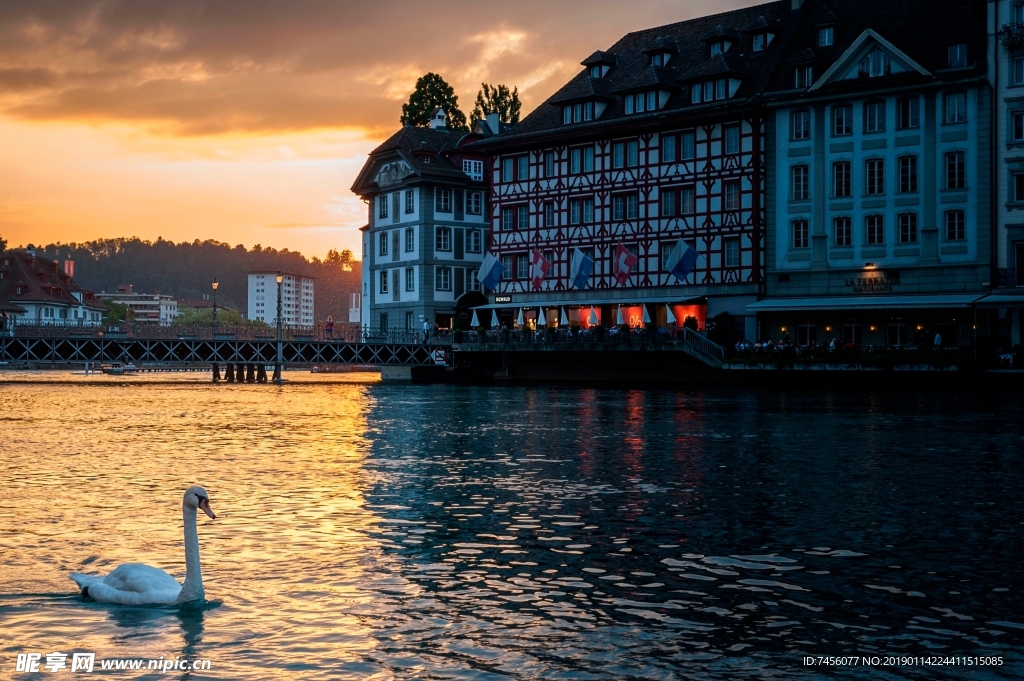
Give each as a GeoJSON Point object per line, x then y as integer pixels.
{"type": "Point", "coordinates": [156, 622]}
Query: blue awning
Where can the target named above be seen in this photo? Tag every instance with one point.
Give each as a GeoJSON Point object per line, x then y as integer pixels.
{"type": "Point", "coordinates": [879, 302]}
{"type": "Point", "coordinates": [1003, 299]}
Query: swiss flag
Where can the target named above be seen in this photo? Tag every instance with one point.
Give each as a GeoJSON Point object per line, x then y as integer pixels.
{"type": "Point", "coordinates": [624, 264]}
{"type": "Point", "coordinates": [539, 268]}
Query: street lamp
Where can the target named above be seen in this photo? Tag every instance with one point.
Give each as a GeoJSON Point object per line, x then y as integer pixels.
{"type": "Point", "coordinates": [215, 285]}
{"type": "Point", "coordinates": [280, 352]}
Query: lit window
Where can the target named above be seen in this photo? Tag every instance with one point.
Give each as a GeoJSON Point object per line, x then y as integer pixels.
{"type": "Point", "coordinates": [801, 237]}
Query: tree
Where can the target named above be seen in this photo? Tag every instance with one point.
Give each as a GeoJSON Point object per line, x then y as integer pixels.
{"type": "Point", "coordinates": [432, 92]}
{"type": "Point", "coordinates": [497, 99]}
{"type": "Point", "coordinates": [118, 313]}
{"type": "Point", "coordinates": [3, 244]}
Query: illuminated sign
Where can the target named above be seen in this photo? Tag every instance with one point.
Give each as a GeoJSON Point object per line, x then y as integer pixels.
{"type": "Point", "coordinates": [874, 282]}
{"type": "Point", "coordinates": [503, 299]}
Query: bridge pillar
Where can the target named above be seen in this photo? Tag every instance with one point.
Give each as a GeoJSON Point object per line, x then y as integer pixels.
{"type": "Point", "coordinates": [229, 373]}
{"type": "Point", "coordinates": [250, 373]}
{"type": "Point", "coordinates": [216, 373]}
{"type": "Point", "coordinates": [395, 373]}
{"type": "Point", "coordinates": [277, 373]}
{"type": "Point", "coordinates": [240, 373]}
{"type": "Point", "coordinates": [261, 373]}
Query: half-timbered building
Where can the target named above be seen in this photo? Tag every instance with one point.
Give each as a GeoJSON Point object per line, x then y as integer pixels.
{"type": "Point", "coordinates": [658, 141]}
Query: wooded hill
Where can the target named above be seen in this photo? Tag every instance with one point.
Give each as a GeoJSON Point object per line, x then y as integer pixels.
{"type": "Point", "coordinates": [187, 269]}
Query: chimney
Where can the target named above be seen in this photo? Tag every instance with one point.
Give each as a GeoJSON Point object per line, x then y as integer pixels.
{"type": "Point", "coordinates": [124, 288]}
{"type": "Point", "coordinates": [494, 122]}
{"type": "Point", "coordinates": [31, 250]}
{"type": "Point", "coordinates": [797, 4]}
{"type": "Point", "coordinates": [69, 268]}
{"type": "Point", "coordinates": [439, 119]}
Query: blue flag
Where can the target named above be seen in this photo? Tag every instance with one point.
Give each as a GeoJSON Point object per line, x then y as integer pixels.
{"type": "Point", "coordinates": [490, 272]}
{"type": "Point", "coordinates": [682, 260]}
{"type": "Point", "coordinates": [580, 269]}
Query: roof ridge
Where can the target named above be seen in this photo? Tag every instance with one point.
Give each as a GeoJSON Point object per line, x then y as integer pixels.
{"type": "Point", "coordinates": [706, 16]}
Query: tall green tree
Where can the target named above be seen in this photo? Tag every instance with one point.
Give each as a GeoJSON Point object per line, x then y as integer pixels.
{"type": "Point", "coordinates": [3, 244]}
{"type": "Point", "coordinates": [497, 99]}
{"type": "Point", "coordinates": [432, 92]}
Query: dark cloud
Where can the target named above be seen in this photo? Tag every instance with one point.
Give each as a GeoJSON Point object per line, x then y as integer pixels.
{"type": "Point", "coordinates": [194, 67]}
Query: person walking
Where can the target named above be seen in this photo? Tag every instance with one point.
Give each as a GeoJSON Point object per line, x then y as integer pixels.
{"type": "Point", "coordinates": [426, 331]}
{"type": "Point", "coordinates": [329, 328]}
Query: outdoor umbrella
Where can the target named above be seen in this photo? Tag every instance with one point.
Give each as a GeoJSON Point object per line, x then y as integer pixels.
{"type": "Point", "coordinates": [494, 319]}
{"type": "Point", "coordinates": [618, 316]}
{"type": "Point", "coordinates": [669, 317]}
{"type": "Point", "coordinates": [542, 320]}
{"type": "Point", "coordinates": [476, 320]}
{"type": "Point", "coordinates": [592, 320]}
{"type": "Point", "coordinates": [519, 319]}
{"type": "Point", "coordinates": [564, 321]}
{"type": "Point", "coordinates": [646, 318]}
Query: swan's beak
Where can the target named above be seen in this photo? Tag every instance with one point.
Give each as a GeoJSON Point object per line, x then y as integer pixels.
{"type": "Point", "coordinates": [205, 505]}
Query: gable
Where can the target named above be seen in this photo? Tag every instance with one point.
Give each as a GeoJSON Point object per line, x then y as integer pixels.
{"type": "Point", "coordinates": [869, 56]}
{"type": "Point", "coordinates": [393, 173]}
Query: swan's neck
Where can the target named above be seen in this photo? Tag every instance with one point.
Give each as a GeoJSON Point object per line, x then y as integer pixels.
{"type": "Point", "coordinates": [192, 589]}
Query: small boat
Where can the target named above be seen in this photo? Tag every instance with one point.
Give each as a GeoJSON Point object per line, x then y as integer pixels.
{"type": "Point", "coordinates": [120, 369]}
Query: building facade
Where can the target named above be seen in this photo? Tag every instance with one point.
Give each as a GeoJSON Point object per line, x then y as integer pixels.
{"type": "Point", "coordinates": [145, 307]}
{"type": "Point", "coordinates": [296, 298]}
{"type": "Point", "coordinates": [879, 193]}
{"type": "Point", "coordinates": [658, 141]}
{"type": "Point", "coordinates": [36, 290]}
{"type": "Point", "coordinates": [427, 227]}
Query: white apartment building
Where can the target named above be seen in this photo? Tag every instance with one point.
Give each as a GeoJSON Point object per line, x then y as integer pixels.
{"type": "Point", "coordinates": [296, 298]}
{"type": "Point", "coordinates": [145, 306]}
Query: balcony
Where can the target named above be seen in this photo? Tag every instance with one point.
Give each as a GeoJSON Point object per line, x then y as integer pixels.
{"type": "Point", "coordinates": [1012, 35]}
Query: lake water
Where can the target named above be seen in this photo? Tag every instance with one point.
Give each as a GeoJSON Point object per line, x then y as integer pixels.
{"type": "Point", "coordinates": [371, 531]}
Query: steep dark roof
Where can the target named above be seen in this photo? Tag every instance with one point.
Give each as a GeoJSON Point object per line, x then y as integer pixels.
{"type": "Point", "coordinates": [719, 65]}
{"type": "Point", "coordinates": [652, 76]}
{"type": "Point", "coordinates": [582, 88]}
{"type": "Point", "coordinates": [660, 44]}
{"type": "Point", "coordinates": [43, 280]}
{"type": "Point", "coordinates": [599, 57]}
{"type": "Point", "coordinates": [412, 145]}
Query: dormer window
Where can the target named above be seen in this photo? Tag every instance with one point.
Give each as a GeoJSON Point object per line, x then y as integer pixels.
{"type": "Point", "coordinates": [642, 101]}
{"type": "Point", "coordinates": [660, 59]}
{"type": "Point", "coordinates": [826, 36]}
{"type": "Point", "coordinates": [596, 71]}
{"type": "Point", "coordinates": [19, 290]}
{"type": "Point", "coordinates": [875, 64]}
{"type": "Point", "coordinates": [958, 55]}
{"type": "Point", "coordinates": [804, 77]}
{"type": "Point", "coordinates": [577, 113]}
{"type": "Point", "coordinates": [709, 91]}
{"type": "Point", "coordinates": [759, 42]}
{"type": "Point", "coordinates": [717, 48]}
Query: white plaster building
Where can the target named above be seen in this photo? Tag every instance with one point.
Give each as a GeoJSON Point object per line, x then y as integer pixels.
{"type": "Point", "coordinates": [296, 298]}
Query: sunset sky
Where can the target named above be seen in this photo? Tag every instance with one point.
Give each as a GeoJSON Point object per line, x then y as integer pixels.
{"type": "Point", "coordinates": [246, 121]}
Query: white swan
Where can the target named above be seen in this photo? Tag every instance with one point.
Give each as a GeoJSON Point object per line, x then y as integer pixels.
{"type": "Point", "coordinates": [138, 584]}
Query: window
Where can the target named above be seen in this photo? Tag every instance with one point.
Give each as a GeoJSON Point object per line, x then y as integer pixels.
{"type": "Point", "coordinates": [801, 188]}
{"type": "Point", "coordinates": [668, 203]}
{"type": "Point", "coordinates": [842, 232]}
{"type": "Point", "coordinates": [475, 204]}
{"type": "Point", "coordinates": [668, 149]}
{"type": "Point", "coordinates": [804, 77]}
{"type": "Point", "coordinates": [506, 170]}
{"type": "Point", "coordinates": [842, 120]}
{"type": "Point", "coordinates": [618, 155]}
{"type": "Point", "coordinates": [687, 146]}
{"type": "Point", "coordinates": [955, 225]}
{"type": "Point", "coordinates": [687, 201]}
{"type": "Point", "coordinates": [908, 173]}
{"type": "Point", "coordinates": [910, 113]}
{"type": "Point", "coordinates": [410, 279]}
{"type": "Point", "coordinates": [522, 266]}
{"type": "Point", "coordinates": [410, 240]}
{"type": "Point", "coordinates": [632, 154]}
{"type": "Point", "coordinates": [717, 48]}
{"type": "Point", "coordinates": [874, 117]}
{"type": "Point", "coordinates": [958, 55]}
{"type": "Point", "coordinates": [523, 168]}
{"type": "Point", "coordinates": [444, 279]}
{"type": "Point", "coordinates": [588, 159]}
{"type": "Point", "coordinates": [1017, 71]}
{"type": "Point", "coordinates": [631, 206]}
{"type": "Point", "coordinates": [955, 174]}
{"type": "Point", "coordinates": [731, 195]}
{"type": "Point", "coordinates": [875, 64]}
{"type": "Point", "coordinates": [731, 251]}
{"type": "Point", "coordinates": [443, 239]}
{"type": "Point", "coordinates": [956, 107]}
{"type": "Point", "coordinates": [506, 263]}
{"type": "Point", "coordinates": [574, 211]}
{"type": "Point", "coordinates": [826, 36]}
{"type": "Point", "coordinates": [443, 204]}
{"type": "Point", "coordinates": [382, 206]}
{"type": "Point", "coordinates": [732, 139]}
{"type": "Point", "coordinates": [875, 230]}
{"type": "Point", "coordinates": [759, 42]}
{"type": "Point", "coordinates": [1018, 187]}
{"type": "Point", "coordinates": [507, 219]}
{"type": "Point", "coordinates": [619, 207]}
{"type": "Point", "coordinates": [908, 228]}
{"type": "Point", "coordinates": [549, 164]}
{"type": "Point", "coordinates": [522, 217]}
{"type": "Point", "coordinates": [473, 241]}
{"type": "Point", "coordinates": [575, 161]}
{"type": "Point", "coordinates": [567, 114]}
{"type": "Point", "coordinates": [800, 126]}
{"type": "Point", "coordinates": [595, 71]}
{"type": "Point", "coordinates": [383, 281]}
{"type": "Point", "coordinates": [875, 176]}
{"type": "Point", "coordinates": [1018, 13]}
{"type": "Point", "coordinates": [1017, 126]}
{"type": "Point", "coordinates": [659, 59]}
{"type": "Point", "coordinates": [801, 236]}
{"type": "Point", "coordinates": [383, 239]}
{"type": "Point", "coordinates": [549, 214]}
{"type": "Point", "coordinates": [475, 169]}
{"type": "Point", "coordinates": [841, 179]}
{"type": "Point", "coordinates": [588, 210]}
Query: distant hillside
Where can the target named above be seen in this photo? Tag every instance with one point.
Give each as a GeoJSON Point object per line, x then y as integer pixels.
{"type": "Point", "coordinates": [187, 269]}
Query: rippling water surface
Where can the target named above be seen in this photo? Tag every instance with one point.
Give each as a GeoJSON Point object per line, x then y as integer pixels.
{"type": "Point", "coordinates": [370, 531]}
